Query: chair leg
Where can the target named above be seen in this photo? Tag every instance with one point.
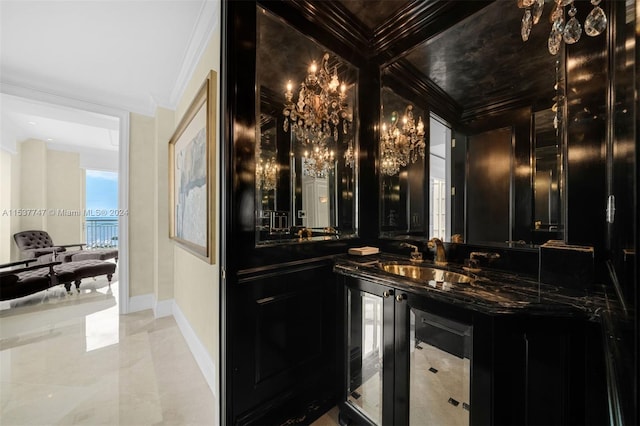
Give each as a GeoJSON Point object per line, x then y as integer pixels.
{"type": "Point", "coordinates": [78, 285]}
{"type": "Point", "coordinates": [67, 286]}
{"type": "Point", "coordinates": [109, 276]}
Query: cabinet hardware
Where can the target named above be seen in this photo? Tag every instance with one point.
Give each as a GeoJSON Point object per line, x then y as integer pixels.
{"type": "Point", "coordinates": [401, 297]}
{"type": "Point", "coordinates": [387, 293]}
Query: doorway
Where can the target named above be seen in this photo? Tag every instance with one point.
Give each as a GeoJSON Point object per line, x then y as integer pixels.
{"type": "Point", "coordinates": [67, 114]}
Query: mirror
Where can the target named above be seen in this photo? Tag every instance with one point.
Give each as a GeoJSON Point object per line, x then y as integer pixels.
{"type": "Point", "coordinates": [305, 152]}
{"type": "Point", "coordinates": [547, 178]}
{"type": "Point", "coordinates": [402, 183]}
{"type": "Point", "coordinates": [482, 79]}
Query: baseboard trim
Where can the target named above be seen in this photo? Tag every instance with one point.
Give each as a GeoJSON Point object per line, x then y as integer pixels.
{"type": "Point", "coordinates": [200, 353]}
{"type": "Point", "coordinates": [140, 303]}
{"type": "Point", "coordinates": [163, 308]}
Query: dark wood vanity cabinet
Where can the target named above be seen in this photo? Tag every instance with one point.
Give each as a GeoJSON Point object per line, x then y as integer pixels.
{"type": "Point", "coordinates": [283, 343]}
{"type": "Point", "coordinates": [411, 360]}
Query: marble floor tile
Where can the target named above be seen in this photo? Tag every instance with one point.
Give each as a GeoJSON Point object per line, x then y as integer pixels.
{"type": "Point", "coordinates": [71, 359]}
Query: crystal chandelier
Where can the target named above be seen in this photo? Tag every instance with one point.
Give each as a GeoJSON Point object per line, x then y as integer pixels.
{"type": "Point", "coordinates": [266, 175]}
{"type": "Point", "coordinates": [399, 146]}
{"type": "Point", "coordinates": [320, 114]}
{"type": "Point", "coordinates": [319, 162]}
{"type": "Point", "coordinates": [561, 30]}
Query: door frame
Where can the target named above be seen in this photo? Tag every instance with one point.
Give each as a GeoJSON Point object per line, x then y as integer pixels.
{"type": "Point", "coordinates": [123, 172]}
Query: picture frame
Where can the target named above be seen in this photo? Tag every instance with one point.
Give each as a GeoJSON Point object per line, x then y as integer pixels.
{"type": "Point", "coordinates": [192, 181]}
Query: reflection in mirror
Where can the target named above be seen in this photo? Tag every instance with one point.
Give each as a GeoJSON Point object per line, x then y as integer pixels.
{"type": "Point", "coordinates": [406, 194]}
{"type": "Point", "coordinates": [402, 153]}
{"type": "Point", "coordinates": [305, 155]}
{"type": "Point", "coordinates": [267, 169]}
{"type": "Point", "coordinates": [478, 76]}
{"type": "Point", "coordinates": [547, 178]}
{"type": "Point", "coordinates": [439, 179]}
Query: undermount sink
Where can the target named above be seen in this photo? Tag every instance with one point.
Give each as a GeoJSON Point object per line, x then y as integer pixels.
{"type": "Point", "coordinates": [425, 273]}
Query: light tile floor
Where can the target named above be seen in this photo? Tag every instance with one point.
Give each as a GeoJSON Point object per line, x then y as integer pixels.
{"type": "Point", "coordinates": [72, 360]}
{"type": "Point", "coordinates": [330, 418]}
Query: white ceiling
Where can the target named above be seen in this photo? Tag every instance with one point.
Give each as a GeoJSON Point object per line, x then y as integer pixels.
{"type": "Point", "coordinates": [128, 55]}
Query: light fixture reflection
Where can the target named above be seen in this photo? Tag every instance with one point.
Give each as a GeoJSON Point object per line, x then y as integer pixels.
{"type": "Point", "coordinates": [400, 146]}
{"type": "Point", "coordinates": [320, 117]}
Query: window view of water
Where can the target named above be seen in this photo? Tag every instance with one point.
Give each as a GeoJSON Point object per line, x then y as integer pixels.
{"type": "Point", "coordinates": [102, 213]}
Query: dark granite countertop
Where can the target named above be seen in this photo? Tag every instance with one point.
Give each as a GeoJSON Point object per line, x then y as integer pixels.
{"type": "Point", "coordinates": [490, 292]}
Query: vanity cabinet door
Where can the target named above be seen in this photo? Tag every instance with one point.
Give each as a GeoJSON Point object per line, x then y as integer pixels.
{"type": "Point", "coordinates": [433, 364]}
{"type": "Point", "coordinates": [369, 352]}
{"type": "Point", "coordinates": [408, 360]}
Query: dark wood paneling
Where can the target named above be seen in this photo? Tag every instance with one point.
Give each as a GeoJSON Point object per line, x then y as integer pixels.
{"type": "Point", "coordinates": [287, 329]}
{"type": "Point", "coordinates": [263, 368]}
{"type": "Point", "coordinates": [488, 186]}
{"type": "Point", "coordinates": [417, 22]}
{"type": "Point", "coordinates": [586, 130]}
{"type": "Point", "coordinates": [284, 338]}
{"type": "Point", "coordinates": [458, 176]}
{"type": "Point", "coordinates": [623, 145]}
{"type": "Point", "coordinates": [327, 22]}
{"type": "Point", "coordinates": [368, 153]}
{"type": "Point", "coordinates": [519, 120]}
{"type": "Point", "coordinates": [423, 92]}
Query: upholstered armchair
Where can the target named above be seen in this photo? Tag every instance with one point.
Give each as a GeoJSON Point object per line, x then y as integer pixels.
{"type": "Point", "coordinates": [18, 279]}
{"type": "Point", "coordinates": [34, 244]}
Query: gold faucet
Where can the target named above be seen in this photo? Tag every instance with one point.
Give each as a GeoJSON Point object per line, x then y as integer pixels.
{"type": "Point", "coordinates": [416, 255]}
{"type": "Point", "coordinates": [440, 258]}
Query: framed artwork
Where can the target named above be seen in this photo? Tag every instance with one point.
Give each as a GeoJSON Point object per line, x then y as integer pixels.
{"type": "Point", "coordinates": [192, 175]}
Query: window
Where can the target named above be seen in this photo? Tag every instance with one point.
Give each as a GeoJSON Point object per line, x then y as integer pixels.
{"type": "Point", "coordinates": [439, 178]}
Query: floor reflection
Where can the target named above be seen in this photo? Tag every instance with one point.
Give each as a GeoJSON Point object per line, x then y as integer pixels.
{"type": "Point", "coordinates": [73, 360]}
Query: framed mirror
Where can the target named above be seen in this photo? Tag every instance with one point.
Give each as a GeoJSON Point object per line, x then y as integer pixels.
{"type": "Point", "coordinates": [479, 78]}
{"type": "Point", "coordinates": [403, 175]}
{"type": "Point", "coordinates": [305, 153]}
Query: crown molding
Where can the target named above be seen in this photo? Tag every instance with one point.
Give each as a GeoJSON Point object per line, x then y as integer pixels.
{"type": "Point", "coordinates": [85, 100]}
{"type": "Point", "coordinates": [208, 21]}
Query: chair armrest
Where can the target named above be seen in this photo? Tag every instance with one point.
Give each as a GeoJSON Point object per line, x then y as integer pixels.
{"type": "Point", "coordinates": [30, 268]}
{"type": "Point", "coordinates": [81, 245]}
{"type": "Point", "coordinates": [37, 252]}
{"type": "Point", "coordinates": [20, 262]}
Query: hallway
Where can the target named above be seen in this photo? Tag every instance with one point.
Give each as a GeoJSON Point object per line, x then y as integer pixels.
{"type": "Point", "coordinates": [73, 360]}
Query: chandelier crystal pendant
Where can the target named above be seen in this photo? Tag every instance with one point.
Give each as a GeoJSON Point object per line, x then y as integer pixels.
{"type": "Point", "coordinates": [319, 115]}
{"type": "Point", "coordinates": [350, 155]}
{"type": "Point", "coordinates": [401, 146]}
{"type": "Point", "coordinates": [561, 30]}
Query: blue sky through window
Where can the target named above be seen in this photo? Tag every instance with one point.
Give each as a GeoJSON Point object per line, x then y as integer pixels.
{"type": "Point", "coordinates": [101, 190]}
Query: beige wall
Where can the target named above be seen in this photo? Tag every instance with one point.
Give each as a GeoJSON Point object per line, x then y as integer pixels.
{"type": "Point", "coordinates": [163, 255]}
{"type": "Point", "coordinates": [16, 198]}
{"type": "Point", "coordinates": [196, 285]}
{"type": "Point", "coordinates": [141, 204]}
{"type": "Point", "coordinates": [33, 182]}
{"type": "Point", "coordinates": [7, 165]}
{"type": "Point", "coordinates": [65, 193]}
{"type": "Point", "coordinates": [42, 180]}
